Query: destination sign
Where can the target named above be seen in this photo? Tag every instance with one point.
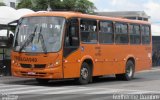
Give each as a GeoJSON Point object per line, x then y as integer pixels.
{"type": "Point", "coordinates": [27, 59]}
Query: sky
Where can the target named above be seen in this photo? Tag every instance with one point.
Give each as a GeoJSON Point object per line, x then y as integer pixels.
{"type": "Point", "coordinates": [151, 8]}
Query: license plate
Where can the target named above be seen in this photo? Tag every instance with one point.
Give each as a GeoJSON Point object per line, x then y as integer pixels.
{"type": "Point", "coordinates": [31, 73]}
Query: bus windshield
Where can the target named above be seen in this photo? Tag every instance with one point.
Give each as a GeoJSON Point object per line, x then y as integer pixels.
{"type": "Point", "coordinates": [39, 34]}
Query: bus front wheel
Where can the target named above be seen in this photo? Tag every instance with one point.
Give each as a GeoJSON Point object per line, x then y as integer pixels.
{"type": "Point", "coordinates": [42, 81]}
{"type": "Point", "coordinates": [129, 72]}
{"type": "Point", "coordinates": [85, 74]}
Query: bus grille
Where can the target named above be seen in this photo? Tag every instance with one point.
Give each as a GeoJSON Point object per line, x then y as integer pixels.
{"type": "Point", "coordinates": [26, 65]}
{"type": "Point", "coordinates": [39, 65]}
{"type": "Point", "coordinates": [35, 66]}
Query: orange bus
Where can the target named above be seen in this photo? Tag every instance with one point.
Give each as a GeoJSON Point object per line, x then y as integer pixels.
{"type": "Point", "coordinates": [64, 45]}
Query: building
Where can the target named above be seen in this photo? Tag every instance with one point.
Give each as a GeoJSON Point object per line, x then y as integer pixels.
{"type": "Point", "coordinates": [136, 15]}
{"type": "Point", "coordinates": [10, 3]}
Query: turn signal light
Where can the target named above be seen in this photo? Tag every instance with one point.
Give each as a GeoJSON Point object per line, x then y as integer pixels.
{"type": "Point", "coordinates": [57, 63]}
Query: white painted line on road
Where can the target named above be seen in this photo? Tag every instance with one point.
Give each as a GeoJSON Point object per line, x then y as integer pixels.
{"type": "Point", "coordinates": [125, 91]}
{"type": "Point", "coordinates": [141, 92]}
{"type": "Point", "coordinates": [20, 88]}
{"type": "Point", "coordinates": [71, 91]}
{"type": "Point", "coordinates": [102, 98]}
{"type": "Point", "coordinates": [108, 91]}
{"type": "Point", "coordinates": [44, 90]}
{"type": "Point", "coordinates": [67, 97]}
{"type": "Point", "coordinates": [36, 91]}
{"type": "Point", "coordinates": [145, 92]}
{"type": "Point", "coordinates": [59, 90]}
{"type": "Point", "coordinates": [61, 97]}
{"type": "Point", "coordinates": [152, 70]}
{"type": "Point", "coordinates": [8, 86]}
{"type": "Point", "coordinates": [13, 85]}
{"type": "Point", "coordinates": [2, 86]}
{"type": "Point", "coordinates": [25, 89]}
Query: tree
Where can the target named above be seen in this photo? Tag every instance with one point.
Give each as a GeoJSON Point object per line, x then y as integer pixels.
{"type": "Point", "coordinates": [25, 4]}
{"type": "Point", "coordinates": [2, 4]}
{"type": "Point", "coordinates": [84, 6]}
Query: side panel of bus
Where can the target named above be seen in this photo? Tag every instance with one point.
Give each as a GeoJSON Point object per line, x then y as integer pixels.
{"type": "Point", "coordinates": [109, 49]}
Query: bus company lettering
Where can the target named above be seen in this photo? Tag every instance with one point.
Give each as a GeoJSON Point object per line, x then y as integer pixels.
{"type": "Point", "coordinates": [27, 59]}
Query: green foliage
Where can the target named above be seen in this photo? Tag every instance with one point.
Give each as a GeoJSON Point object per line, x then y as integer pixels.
{"type": "Point", "coordinates": [2, 4]}
{"type": "Point", "coordinates": [84, 6]}
{"type": "Point", "coordinates": [25, 4]}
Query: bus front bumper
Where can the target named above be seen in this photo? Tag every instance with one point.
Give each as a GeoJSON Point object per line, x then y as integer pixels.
{"type": "Point", "coordinates": [47, 73]}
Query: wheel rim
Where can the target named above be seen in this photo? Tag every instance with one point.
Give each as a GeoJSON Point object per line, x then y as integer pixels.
{"type": "Point", "coordinates": [129, 71]}
{"type": "Point", "coordinates": [84, 73]}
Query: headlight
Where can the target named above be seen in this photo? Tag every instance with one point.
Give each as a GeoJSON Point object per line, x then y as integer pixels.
{"type": "Point", "coordinates": [13, 61]}
{"type": "Point", "coordinates": [57, 63]}
{"type": "Point", "coordinates": [51, 65]}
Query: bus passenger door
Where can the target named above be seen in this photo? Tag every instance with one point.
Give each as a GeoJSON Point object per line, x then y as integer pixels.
{"type": "Point", "coordinates": [71, 51]}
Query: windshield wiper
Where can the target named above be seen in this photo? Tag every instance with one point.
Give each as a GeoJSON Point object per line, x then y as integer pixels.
{"type": "Point", "coordinates": [40, 37]}
{"type": "Point", "coordinates": [29, 39]}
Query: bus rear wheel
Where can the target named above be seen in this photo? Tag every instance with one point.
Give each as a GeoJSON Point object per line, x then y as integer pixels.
{"type": "Point", "coordinates": [42, 81]}
{"type": "Point", "coordinates": [85, 74]}
{"type": "Point", "coordinates": [129, 72]}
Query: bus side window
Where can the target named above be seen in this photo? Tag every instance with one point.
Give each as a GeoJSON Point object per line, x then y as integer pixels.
{"type": "Point", "coordinates": [71, 41]}
{"type": "Point", "coordinates": [121, 33]}
{"type": "Point", "coordinates": [72, 36]}
{"type": "Point", "coordinates": [145, 31]}
{"type": "Point", "coordinates": [88, 30]}
{"type": "Point", "coordinates": [106, 34]}
{"type": "Point", "coordinates": [135, 36]}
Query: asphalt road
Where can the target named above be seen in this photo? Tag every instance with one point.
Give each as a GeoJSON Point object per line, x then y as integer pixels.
{"type": "Point", "coordinates": [106, 88]}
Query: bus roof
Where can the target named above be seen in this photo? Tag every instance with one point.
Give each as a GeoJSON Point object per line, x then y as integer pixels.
{"type": "Point", "coordinates": [68, 14]}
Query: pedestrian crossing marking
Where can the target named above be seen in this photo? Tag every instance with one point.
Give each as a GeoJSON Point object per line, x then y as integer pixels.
{"type": "Point", "coordinates": [28, 89]}
{"type": "Point", "coordinates": [36, 91]}
{"type": "Point", "coordinates": [68, 92]}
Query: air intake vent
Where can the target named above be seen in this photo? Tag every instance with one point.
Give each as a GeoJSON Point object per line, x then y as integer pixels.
{"type": "Point", "coordinates": [26, 65]}
{"type": "Point", "coordinates": [39, 65]}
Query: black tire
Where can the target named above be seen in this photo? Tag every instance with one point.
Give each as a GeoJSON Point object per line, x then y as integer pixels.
{"type": "Point", "coordinates": [85, 74]}
{"type": "Point", "coordinates": [129, 72]}
{"type": "Point", "coordinates": [42, 81]}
